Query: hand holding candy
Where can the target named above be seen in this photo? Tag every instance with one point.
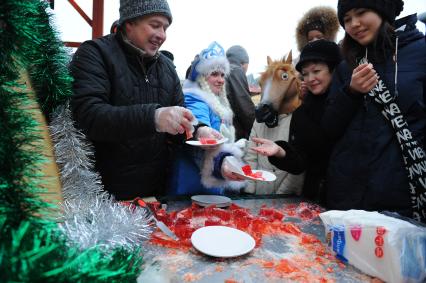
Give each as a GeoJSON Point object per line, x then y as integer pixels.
{"type": "Point", "coordinates": [173, 120]}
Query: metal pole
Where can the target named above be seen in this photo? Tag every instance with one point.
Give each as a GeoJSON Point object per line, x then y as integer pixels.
{"type": "Point", "coordinates": [98, 19]}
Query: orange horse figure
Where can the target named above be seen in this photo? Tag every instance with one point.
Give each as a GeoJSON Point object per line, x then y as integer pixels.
{"type": "Point", "coordinates": [279, 98]}
{"type": "Point", "coordinates": [280, 91]}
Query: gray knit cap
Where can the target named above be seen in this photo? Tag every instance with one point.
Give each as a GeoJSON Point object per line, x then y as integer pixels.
{"type": "Point", "coordinates": [237, 55]}
{"type": "Point", "coordinates": [130, 9]}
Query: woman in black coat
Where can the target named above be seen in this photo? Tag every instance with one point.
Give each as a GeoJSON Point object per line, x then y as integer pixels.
{"type": "Point", "coordinates": [308, 148]}
{"type": "Point", "coordinates": [371, 166]}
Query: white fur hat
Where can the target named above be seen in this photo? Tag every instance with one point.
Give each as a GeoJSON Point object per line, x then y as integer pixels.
{"type": "Point", "coordinates": [210, 60]}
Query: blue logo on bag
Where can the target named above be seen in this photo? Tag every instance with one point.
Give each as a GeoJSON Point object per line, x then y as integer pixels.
{"type": "Point", "coordinates": [339, 242]}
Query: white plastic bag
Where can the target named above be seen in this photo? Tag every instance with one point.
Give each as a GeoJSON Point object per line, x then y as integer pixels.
{"type": "Point", "coordinates": [381, 246]}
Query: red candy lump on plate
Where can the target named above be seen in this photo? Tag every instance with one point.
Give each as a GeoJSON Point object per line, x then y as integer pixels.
{"type": "Point", "coordinates": [248, 172]}
{"type": "Point", "coordinates": [207, 141]}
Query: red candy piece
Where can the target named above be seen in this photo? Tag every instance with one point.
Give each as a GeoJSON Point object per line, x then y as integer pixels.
{"type": "Point", "coordinates": [256, 175]}
{"type": "Point", "coordinates": [259, 225]}
{"type": "Point", "coordinates": [184, 231]}
{"type": "Point", "coordinates": [212, 222]}
{"type": "Point", "coordinates": [271, 213]}
{"type": "Point", "coordinates": [238, 213]}
{"type": "Point", "coordinates": [290, 228]}
{"type": "Point", "coordinates": [309, 239]}
{"type": "Point", "coordinates": [182, 221]}
{"type": "Point", "coordinates": [285, 266]}
{"type": "Point", "coordinates": [247, 170]}
{"type": "Point", "coordinates": [243, 223]}
{"type": "Point", "coordinates": [207, 141]}
{"type": "Point", "coordinates": [224, 215]}
{"type": "Point", "coordinates": [268, 212]}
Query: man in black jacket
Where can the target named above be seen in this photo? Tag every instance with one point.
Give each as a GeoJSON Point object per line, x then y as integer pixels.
{"type": "Point", "coordinates": [238, 91]}
{"type": "Point", "coordinates": [128, 100]}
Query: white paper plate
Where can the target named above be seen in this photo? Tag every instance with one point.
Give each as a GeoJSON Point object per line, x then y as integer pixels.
{"type": "Point", "coordinates": [266, 175]}
{"type": "Point", "coordinates": [222, 241]}
{"type": "Point", "coordinates": [198, 143]}
{"type": "Point", "coordinates": [207, 200]}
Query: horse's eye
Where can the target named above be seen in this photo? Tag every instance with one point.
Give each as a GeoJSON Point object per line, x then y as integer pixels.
{"type": "Point", "coordinates": [284, 76]}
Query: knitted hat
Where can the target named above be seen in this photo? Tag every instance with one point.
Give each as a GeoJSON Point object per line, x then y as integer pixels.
{"type": "Point", "coordinates": [210, 60]}
{"type": "Point", "coordinates": [320, 51]}
{"type": "Point", "coordinates": [320, 18]}
{"type": "Point", "coordinates": [387, 9]}
{"type": "Point", "coordinates": [237, 55]}
{"type": "Point", "coordinates": [130, 9]}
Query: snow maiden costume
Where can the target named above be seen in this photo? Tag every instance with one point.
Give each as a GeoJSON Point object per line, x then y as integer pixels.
{"type": "Point", "coordinates": [198, 171]}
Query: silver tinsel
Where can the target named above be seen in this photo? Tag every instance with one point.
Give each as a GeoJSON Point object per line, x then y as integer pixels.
{"type": "Point", "coordinates": [91, 217]}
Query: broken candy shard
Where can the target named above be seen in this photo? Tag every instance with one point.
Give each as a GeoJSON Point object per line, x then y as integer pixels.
{"type": "Point", "coordinates": [247, 170]}
{"type": "Point", "coordinates": [207, 141]}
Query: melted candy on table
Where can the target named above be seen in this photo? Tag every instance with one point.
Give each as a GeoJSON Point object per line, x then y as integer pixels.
{"type": "Point", "coordinates": [268, 221]}
{"type": "Point", "coordinates": [308, 261]}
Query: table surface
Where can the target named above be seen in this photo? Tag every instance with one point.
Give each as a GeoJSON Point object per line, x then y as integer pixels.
{"type": "Point", "coordinates": [170, 265]}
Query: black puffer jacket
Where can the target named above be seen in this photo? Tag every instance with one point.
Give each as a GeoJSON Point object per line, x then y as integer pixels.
{"type": "Point", "coordinates": [366, 169]}
{"type": "Point", "coordinates": [115, 97]}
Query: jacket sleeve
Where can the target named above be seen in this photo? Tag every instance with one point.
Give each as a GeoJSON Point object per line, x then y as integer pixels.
{"type": "Point", "coordinates": [294, 161]}
{"type": "Point", "coordinates": [240, 98]}
{"type": "Point", "coordinates": [199, 109]}
{"type": "Point", "coordinates": [307, 140]}
{"type": "Point", "coordinates": [211, 175]}
{"type": "Point", "coordinates": [341, 105]}
{"type": "Point", "coordinates": [91, 101]}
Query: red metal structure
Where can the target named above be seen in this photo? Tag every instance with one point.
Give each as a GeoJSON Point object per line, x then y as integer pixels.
{"type": "Point", "coordinates": [96, 22]}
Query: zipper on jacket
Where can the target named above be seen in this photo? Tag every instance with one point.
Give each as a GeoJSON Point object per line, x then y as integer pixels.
{"type": "Point", "coordinates": [140, 60]}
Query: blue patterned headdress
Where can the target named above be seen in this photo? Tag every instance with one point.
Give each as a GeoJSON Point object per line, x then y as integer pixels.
{"type": "Point", "coordinates": [211, 59]}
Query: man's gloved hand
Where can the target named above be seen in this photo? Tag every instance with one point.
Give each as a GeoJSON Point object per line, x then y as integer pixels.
{"type": "Point", "coordinates": [207, 132]}
{"type": "Point", "coordinates": [173, 120]}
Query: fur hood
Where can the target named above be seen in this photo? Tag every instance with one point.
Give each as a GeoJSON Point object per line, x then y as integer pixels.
{"type": "Point", "coordinates": [326, 15]}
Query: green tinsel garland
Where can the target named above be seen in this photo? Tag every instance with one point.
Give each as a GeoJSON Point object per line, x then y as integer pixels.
{"type": "Point", "coordinates": [32, 249]}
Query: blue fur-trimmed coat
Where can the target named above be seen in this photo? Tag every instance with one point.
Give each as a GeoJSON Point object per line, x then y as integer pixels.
{"type": "Point", "coordinates": [195, 170]}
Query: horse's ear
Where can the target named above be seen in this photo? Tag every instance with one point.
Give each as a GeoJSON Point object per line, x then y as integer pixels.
{"type": "Point", "coordinates": [269, 60]}
{"type": "Point", "coordinates": [289, 58]}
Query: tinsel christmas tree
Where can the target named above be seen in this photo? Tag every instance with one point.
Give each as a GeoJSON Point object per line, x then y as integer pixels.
{"type": "Point", "coordinates": [94, 239]}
